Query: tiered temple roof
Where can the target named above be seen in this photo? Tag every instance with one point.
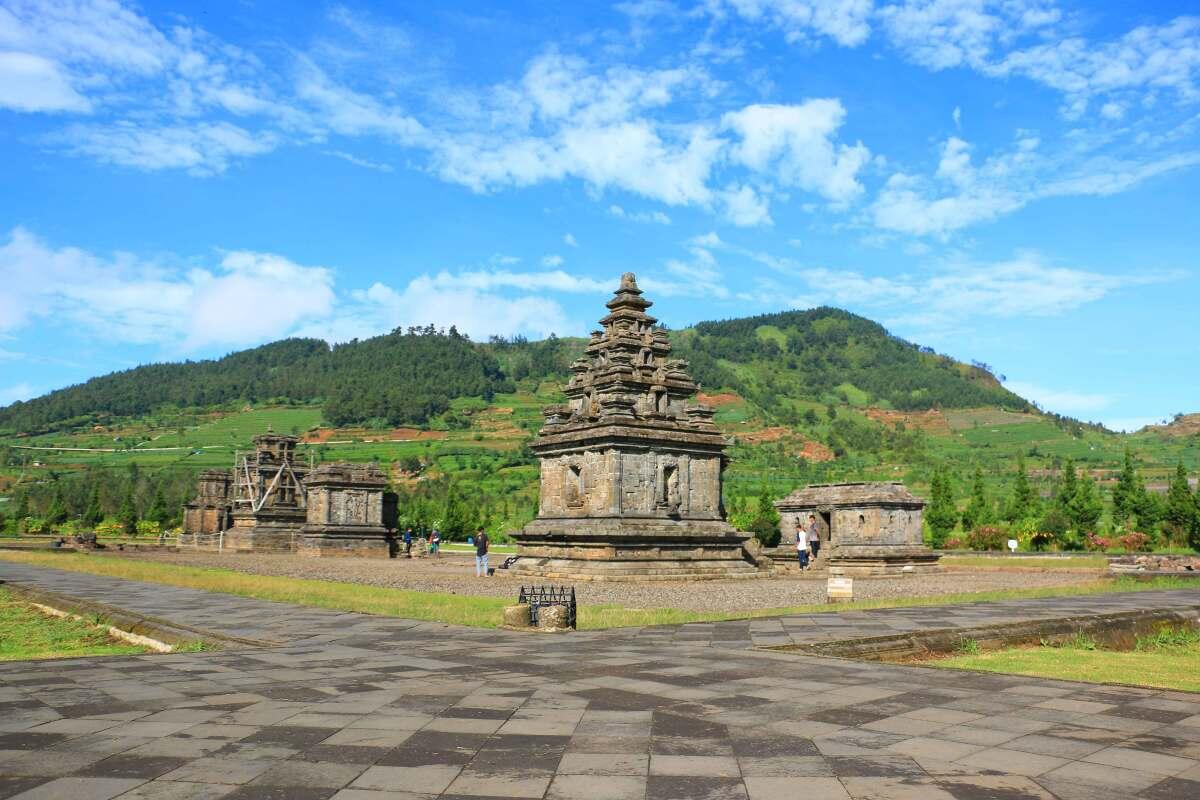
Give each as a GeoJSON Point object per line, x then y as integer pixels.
{"type": "Point", "coordinates": [627, 376]}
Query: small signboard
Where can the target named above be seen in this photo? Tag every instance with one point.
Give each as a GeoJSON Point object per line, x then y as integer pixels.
{"type": "Point", "coordinates": [1012, 545]}
{"type": "Point", "coordinates": [839, 590]}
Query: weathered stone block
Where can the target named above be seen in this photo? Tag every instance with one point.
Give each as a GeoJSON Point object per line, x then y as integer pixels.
{"type": "Point", "coordinates": [517, 616]}
{"type": "Point", "coordinates": [554, 618]}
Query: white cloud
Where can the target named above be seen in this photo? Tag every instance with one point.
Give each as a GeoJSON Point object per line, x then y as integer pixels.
{"type": "Point", "coordinates": [30, 82]}
{"type": "Point", "coordinates": [744, 207]}
{"type": "Point", "coordinates": [655, 217]}
{"type": "Point", "coordinates": [569, 240]}
{"type": "Point", "coordinates": [360, 162]}
{"type": "Point", "coordinates": [794, 144]}
{"type": "Point", "coordinates": [844, 21]}
{"type": "Point", "coordinates": [248, 298]}
{"type": "Point", "coordinates": [444, 300]}
{"type": "Point", "coordinates": [19, 391]}
{"type": "Point", "coordinates": [552, 260]}
{"type": "Point", "coordinates": [202, 149]}
{"type": "Point", "coordinates": [962, 192]}
{"type": "Point", "coordinates": [1061, 401]}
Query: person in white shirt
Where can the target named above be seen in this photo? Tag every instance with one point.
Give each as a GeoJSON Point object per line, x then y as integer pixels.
{"type": "Point", "coordinates": [802, 546]}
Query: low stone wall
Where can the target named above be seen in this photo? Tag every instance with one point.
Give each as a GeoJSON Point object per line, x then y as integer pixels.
{"type": "Point", "coordinates": [1115, 631]}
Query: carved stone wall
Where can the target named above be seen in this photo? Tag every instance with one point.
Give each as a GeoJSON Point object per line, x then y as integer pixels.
{"type": "Point", "coordinates": [346, 512]}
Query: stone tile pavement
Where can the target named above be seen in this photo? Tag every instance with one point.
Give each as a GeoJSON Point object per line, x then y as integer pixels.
{"type": "Point", "coordinates": [355, 707]}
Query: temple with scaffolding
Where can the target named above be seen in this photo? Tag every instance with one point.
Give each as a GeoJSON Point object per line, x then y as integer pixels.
{"type": "Point", "coordinates": [269, 498]}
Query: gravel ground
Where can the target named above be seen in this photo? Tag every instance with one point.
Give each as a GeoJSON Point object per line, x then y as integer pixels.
{"type": "Point", "coordinates": [456, 575]}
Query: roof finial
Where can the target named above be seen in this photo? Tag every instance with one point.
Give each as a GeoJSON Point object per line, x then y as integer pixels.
{"type": "Point", "coordinates": [629, 283]}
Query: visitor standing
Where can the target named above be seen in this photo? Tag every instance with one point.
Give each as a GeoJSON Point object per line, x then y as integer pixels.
{"type": "Point", "coordinates": [481, 553]}
{"type": "Point", "coordinates": [435, 541]}
{"type": "Point", "coordinates": [408, 536]}
{"type": "Point", "coordinates": [814, 537]}
{"type": "Point", "coordinates": [802, 546]}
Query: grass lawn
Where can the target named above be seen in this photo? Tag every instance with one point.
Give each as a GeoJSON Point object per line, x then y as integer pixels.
{"type": "Point", "coordinates": [485, 612]}
{"type": "Point", "coordinates": [26, 633]}
{"type": "Point", "coordinates": [1170, 664]}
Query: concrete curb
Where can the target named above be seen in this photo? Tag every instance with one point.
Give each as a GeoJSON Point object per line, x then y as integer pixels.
{"type": "Point", "coordinates": [155, 628]}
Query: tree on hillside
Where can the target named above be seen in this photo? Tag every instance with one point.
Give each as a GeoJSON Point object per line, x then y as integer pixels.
{"type": "Point", "coordinates": [127, 513]}
{"type": "Point", "coordinates": [56, 513]}
{"type": "Point", "coordinates": [765, 526]}
{"type": "Point", "coordinates": [1085, 507]}
{"type": "Point", "coordinates": [941, 513]}
{"type": "Point", "coordinates": [1129, 492]}
{"type": "Point", "coordinates": [92, 512]}
{"type": "Point", "coordinates": [1023, 503]}
{"type": "Point", "coordinates": [1180, 514]}
{"type": "Point", "coordinates": [157, 512]}
{"type": "Point", "coordinates": [979, 510]}
{"type": "Point", "coordinates": [1068, 484]}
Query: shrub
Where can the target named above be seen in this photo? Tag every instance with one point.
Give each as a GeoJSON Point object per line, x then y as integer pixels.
{"type": "Point", "coordinates": [1093, 541]}
{"type": "Point", "coordinates": [109, 527]}
{"type": "Point", "coordinates": [147, 527]}
{"type": "Point", "coordinates": [954, 544]}
{"type": "Point", "coordinates": [1042, 539]}
{"type": "Point", "coordinates": [1134, 541]}
{"type": "Point", "coordinates": [987, 537]}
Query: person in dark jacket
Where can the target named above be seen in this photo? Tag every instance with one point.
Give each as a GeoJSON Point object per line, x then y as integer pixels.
{"type": "Point", "coordinates": [408, 537]}
{"type": "Point", "coordinates": [481, 553]}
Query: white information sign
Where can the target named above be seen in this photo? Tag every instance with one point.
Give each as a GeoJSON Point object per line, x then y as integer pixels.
{"type": "Point", "coordinates": [840, 589]}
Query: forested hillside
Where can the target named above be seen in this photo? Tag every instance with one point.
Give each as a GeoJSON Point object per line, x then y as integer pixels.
{"type": "Point", "coordinates": [834, 356]}
{"type": "Point", "coordinates": [398, 378]}
{"type": "Point", "coordinates": [778, 361]}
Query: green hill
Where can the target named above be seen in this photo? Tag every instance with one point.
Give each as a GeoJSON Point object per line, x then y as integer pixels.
{"type": "Point", "coordinates": [805, 396]}
{"type": "Point", "coordinates": [824, 355]}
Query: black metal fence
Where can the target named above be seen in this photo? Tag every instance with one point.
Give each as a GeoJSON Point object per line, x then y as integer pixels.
{"type": "Point", "coordinates": [541, 596]}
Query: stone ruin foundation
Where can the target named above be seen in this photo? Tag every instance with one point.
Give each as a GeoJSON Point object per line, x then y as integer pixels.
{"type": "Point", "coordinates": [346, 512]}
{"type": "Point", "coordinates": [865, 528]}
{"type": "Point", "coordinates": [630, 468]}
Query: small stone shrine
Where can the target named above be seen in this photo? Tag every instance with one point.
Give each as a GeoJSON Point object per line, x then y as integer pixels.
{"type": "Point", "coordinates": [865, 528]}
{"type": "Point", "coordinates": [346, 512]}
{"type": "Point", "coordinates": [210, 512]}
{"type": "Point", "coordinates": [630, 468]}
{"type": "Point", "coordinates": [269, 499]}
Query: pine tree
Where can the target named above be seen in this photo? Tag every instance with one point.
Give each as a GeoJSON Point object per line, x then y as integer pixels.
{"type": "Point", "coordinates": [979, 510]}
{"type": "Point", "coordinates": [157, 512]}
{"type": "Point", "coordinates": [1024, 502]}
{"type": "Point", "coordinates": [1085, 508]}
{"type": "Point", "coordinates": [127, 513]}
{"type": "Point", "coordinates": [1068, 484]}
{"type": "Point", "coordinates": [1128, 494]}
{"type": "Point", "coordinates": [93, 513]}
{"type": "Point", "coordinates": [56, 513]}
{"type": "Point", "coordinates": [21, 510]}
{"type": "Point", "coordinates": [766, 520]}
{"type": "Point", "coordinates": [1180, 513]}
{"type": "Point", "coordinates": [941, 513]}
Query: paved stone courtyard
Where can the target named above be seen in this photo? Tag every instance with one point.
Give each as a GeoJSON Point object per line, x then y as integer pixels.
{"type": "Point", "coordinates": [370, 708]}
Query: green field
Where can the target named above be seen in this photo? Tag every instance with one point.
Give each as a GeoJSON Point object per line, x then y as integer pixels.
{"type": "Point", "coordinates": [1169, 661]}
{"type": "Point", "coordinates": [27, 634]}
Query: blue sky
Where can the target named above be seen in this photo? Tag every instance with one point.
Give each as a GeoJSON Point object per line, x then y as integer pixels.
{"type": "Point", "coordinates": [1016, 182]}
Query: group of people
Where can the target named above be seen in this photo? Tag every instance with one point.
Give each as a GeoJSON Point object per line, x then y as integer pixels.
{"type": "Point", "coordinates": [808, 541]}
{"type": "Point", "coordinates": [435, 542]}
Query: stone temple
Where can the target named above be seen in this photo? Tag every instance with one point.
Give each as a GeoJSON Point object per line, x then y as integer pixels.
{"type": "Point", "coordinates": [630, 467]}
{"type": "Point", "coordinates": [865, 528]}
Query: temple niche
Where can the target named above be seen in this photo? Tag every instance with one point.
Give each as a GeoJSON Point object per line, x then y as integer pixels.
{"type": "Point", "coordinates": [630, 485]}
